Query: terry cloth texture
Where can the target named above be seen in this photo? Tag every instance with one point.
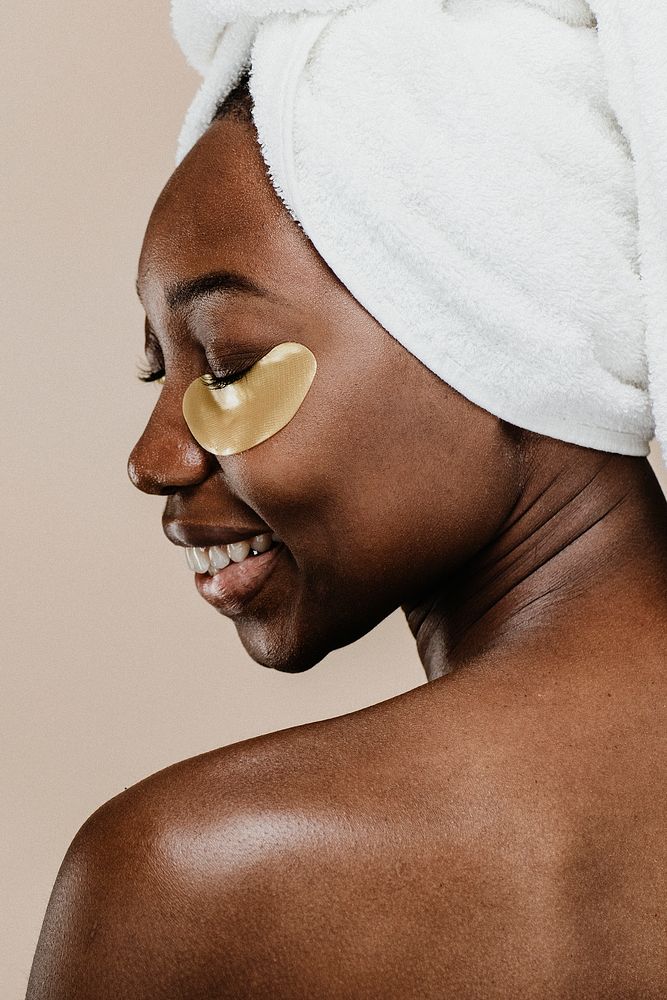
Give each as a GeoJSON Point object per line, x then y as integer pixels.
{"type": "Point", "coordinates": [487, 177]}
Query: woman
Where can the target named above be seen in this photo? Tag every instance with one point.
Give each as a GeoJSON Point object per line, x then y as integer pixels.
{"type": "Point", "coordinates": [495, 833]}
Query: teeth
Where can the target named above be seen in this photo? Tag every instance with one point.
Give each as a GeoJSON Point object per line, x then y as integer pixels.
{"type": "Point", "coordinates": [218, 557]}
{"type": "Point", "coordinates": [200, 560]}
{"type": "Point", "coordinates": [238, 551]}
{"type": "Point", "coordinates": [261, 543]}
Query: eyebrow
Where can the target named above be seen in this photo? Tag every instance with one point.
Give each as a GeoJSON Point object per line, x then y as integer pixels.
{"type": "Point", "coordinates": [182, 293]}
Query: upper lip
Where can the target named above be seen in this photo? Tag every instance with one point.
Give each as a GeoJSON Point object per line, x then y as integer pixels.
{"type": "Point", "coordinates": [191, 534]}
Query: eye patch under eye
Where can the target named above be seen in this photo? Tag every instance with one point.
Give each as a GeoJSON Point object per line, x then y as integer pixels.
{"type": "Point", "coordinates": [239, 416]}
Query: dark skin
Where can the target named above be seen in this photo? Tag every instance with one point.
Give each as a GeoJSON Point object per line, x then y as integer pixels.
{"type": "Point", "coordinates": [496, 833]}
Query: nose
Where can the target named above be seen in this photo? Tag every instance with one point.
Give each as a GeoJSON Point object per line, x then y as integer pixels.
{"type": "Point", "coordinates": [166, 457]}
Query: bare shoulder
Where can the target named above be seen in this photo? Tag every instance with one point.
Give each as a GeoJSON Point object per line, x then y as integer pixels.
{"type": "Point", "coordinates": [416, 846]}
{"type": "Point", "coordinates": [201, 879]}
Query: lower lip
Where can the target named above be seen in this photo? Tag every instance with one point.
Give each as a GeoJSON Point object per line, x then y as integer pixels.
{"type": "Point", "coordinates": [233, 588]}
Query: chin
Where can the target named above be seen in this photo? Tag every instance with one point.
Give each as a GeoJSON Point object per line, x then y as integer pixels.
{"type": "Point", "coordinates": [292, 650]}
{"type": "Point", "coordinates": [276, 652]}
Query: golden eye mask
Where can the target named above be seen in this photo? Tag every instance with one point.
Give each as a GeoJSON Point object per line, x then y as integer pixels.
{"type": "Point", "coordinates": [238, 416]}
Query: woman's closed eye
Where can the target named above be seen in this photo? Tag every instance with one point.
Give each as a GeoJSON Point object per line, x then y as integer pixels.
{"type": "Point", "coordinates": [146, 374]}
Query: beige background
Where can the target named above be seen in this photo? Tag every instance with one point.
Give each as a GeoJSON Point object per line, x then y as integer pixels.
{"type": "Point", "coordinates": [112, 665]}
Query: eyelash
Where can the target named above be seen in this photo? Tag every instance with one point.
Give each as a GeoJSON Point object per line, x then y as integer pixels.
{"type": "Point", "coordinates": [215, 382]}
{"type": "Point", "coordinates": [146, 375]}
{"type": "Point", "coordinates": [212, 381]}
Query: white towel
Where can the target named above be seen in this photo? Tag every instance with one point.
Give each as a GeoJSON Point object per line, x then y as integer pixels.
{"type": "Point", "coordinates": [487, 177]}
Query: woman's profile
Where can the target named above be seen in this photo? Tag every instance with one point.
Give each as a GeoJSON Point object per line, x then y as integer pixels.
{"type": "Point", "coordinates": [496, 833]}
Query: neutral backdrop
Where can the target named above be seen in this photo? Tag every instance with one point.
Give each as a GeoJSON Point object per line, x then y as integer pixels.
{"type": "Point", "coordinates": [112, 666]}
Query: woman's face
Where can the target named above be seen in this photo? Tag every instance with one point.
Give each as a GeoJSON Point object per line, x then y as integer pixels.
{"type": "Point", "coordinates": [383, 483]}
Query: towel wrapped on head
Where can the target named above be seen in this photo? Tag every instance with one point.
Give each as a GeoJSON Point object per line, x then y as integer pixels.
{"type": "Point", "coordinates": [488, 178]}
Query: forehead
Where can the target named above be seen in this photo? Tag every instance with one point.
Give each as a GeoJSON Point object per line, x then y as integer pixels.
{"type": "Point", "coordinates": [218, 208]}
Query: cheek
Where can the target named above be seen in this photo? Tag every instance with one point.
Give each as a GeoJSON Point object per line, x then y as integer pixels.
{"type": "Point", "coordinates": [352, 460]}
{"type": "Point", "coordinates": [284, 475]}
{"type": "Point", "coordinates": [426, 476]}
{"type": "Point", "coordinates": [410, 478]}
{"type": "Point", "coordinates": [319, 475]}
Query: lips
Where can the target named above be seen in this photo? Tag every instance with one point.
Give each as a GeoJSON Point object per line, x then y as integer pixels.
{"type": "Point", "coordinates": [232, 589]}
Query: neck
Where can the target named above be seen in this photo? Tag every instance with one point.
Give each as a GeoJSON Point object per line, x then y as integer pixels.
{"type": "Point", "coordinates": [579, 564]}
